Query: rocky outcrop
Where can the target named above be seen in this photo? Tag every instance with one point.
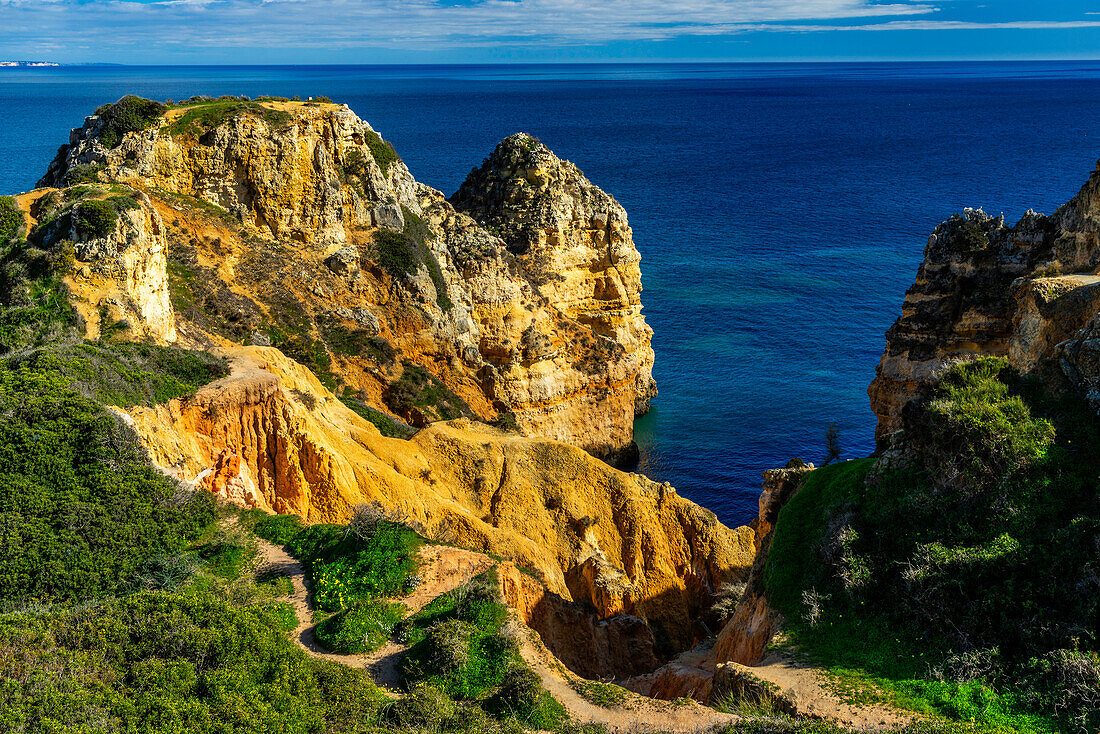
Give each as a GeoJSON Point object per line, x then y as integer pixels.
{"type": "Point", "coordinates": [545, 505]}
{"type": "Point", "coordinates": [113, 248]}
{"type": "Point", "coordinates": [746, 633]}
{"type": "Point", "coordinates": [287, 221]}
{"type": "Point", "coordinates": [573, 241]}
{"type": "Point", "coordinates": [1026, 292]}
{"type": "Point", "coordinates": [745, 636]}
{"type": "Point", "coordinates": [592, 645]}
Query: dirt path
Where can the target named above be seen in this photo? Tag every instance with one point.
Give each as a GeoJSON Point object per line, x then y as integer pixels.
{"type": "Point", "coordinates": [442, 569]}
{"type": "Point", "coordinates": [814, 695]}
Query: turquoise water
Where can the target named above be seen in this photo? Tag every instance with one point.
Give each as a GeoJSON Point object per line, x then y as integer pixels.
{"type": "Point", "coordinates": [781, 210]}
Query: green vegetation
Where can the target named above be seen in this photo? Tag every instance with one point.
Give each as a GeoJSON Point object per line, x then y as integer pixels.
{"type": "Point", "coordinates": [382, 152]}
{"type": "Point", "coordinates": [95, 218]}
{"type": "Point", "coordinates": [417, 388]}
{"type": "Point", "coordinates": [11, 221]}
{"type": "Point", "coordinates": [607, 695]}
{"type": "Point", "coordinates": [203, 116]}
{"type": "Point", "coordinates": [129, 114]}
{"type": "Point", "coordinates": [458, 650]}
{"type": "Point", "coordinates": [386, 425]}
{"type": "Point", "coordinates": [364, 627]}
{"type": "Point", "coordinates": [346, 568]}
{"type": "Point", "coordinates": [972, 605]}
{"type": "Point", "coordinates": [81, 510]}
{"type": "Point", "coordinates": [129, 373]}
{"type": "Point", "coordinates": [278, 529]}
{"type": "Point", "coordinates": [83, 173]}
{"type": "Point", "coordinates": [189, 662]}
{"type": "Point", "coordinates": [402, 253]}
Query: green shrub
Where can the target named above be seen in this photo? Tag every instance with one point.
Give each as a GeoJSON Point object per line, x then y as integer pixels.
{"type": "Point", "coordinates": [395, 252]}
{"type": "Point", "coordinates": [83, 173]}
{"type": "Point", "coordinates": [382, 152]}
{"type": "Point", "coordinates": [224, 559]}
{"type": "Point", "coordinates": [355, 569]}
{"type": "Point", "coordinates": [402, 253]}
{"type": "Point", "coordinates": [457, 641]}
{"type": "Point", "coordinates": [973, 433]}
{"type": "Point", "coordinates": [345, 569]}
{"type": "Point", "coordinates": [94, 218]}
{"type": "Point", "coordinates": [285, 614]}
{"type": "Point", "coordinates": [188, 663]}
{"type": "Point", "coordinates": [81, 510]}
{"type": "Point", "coordinates": [947, 611]}
{"type": "Point", "coordinates": [11, 221]}
{"type": "Point", "coordinates": [277, 582]}
{"type": "Point", "coordinates": [363, 628]}
{"type": "Point", "coordinates": [418, 388]}
{"type": "Point", "coordinates": [129, 114]}
{"type": "Point", "coordinates": [166, 571]}
{"type": "Point", "coordinates": [129, 373]}
{"type": "Point", "coordinates": [1068, 682]}
{"type": "Point", "coordinates": [278, 529]}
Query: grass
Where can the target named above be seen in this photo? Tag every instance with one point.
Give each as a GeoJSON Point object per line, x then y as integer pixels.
{"type": "Point", "coordinates": [201, 117]}
{"type": "Point", "coordinates": [386, 425]}
{"type": "Point", "coordinates": [607, 695]}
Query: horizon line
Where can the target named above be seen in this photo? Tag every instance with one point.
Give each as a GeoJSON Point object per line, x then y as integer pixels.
{"type": "Point", "coordinates": [619, 62]}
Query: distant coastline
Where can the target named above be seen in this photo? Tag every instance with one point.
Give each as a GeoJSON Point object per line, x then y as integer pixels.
{"type": "Point", "coordinates": [26, 64]}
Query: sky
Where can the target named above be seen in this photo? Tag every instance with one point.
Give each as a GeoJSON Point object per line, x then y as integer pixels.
{"type": "Point", "coordinates": [514, 31]}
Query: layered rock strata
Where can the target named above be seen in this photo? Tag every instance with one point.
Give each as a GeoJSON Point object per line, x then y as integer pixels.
{"type": "Point", "coordinates": [1029, 293]}
{"type": "Point", "coordinates": [618, 542]}
{"type": "Point", "coordinates": [282, 210]}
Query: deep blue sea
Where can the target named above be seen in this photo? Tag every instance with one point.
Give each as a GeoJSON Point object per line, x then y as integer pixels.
{"type": "Point", "coordinates": [781, 209]}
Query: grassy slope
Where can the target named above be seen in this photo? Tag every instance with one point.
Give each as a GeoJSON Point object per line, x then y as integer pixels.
{"type": "Point", "coordinates": [954, 586]}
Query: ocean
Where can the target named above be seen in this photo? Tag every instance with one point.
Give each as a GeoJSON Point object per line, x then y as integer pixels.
{"type": "Point", "coordinates": [781, 209]}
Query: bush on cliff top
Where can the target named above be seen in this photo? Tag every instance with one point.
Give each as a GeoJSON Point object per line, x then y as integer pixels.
{"type": "Point", "coordinates": [986, 568]}
{"type": "Point", "coordinates": [129, 114]}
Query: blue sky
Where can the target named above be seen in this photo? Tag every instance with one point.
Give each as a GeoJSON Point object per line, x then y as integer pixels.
{"type": "Point", "coordinates": [476, 31]}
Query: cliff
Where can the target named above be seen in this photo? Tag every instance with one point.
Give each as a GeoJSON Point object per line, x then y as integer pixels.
{"type": "Point", "coordinates": [297, 225]}
{"type": "Point", "coordinates": [1028, 292]}
{"type": "Point", "coordinates": [271, 435]}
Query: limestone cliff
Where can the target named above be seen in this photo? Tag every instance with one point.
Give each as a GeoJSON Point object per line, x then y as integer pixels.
{"type": "Point", "coordinates": [616, 541]}
{"type": "Point", "coordinates": [295, 224]}
{"type": "Point", "coordinates": [1027, 292]}
{"type": "Point", "coordinates": [574, 243]}
{"type": "Point", "coordinates": [291, 239]}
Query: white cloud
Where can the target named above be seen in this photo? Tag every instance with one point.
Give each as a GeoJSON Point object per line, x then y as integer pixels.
{"type": "Point", "coordinates": [195, 25]}
{"type": "Point", "coordinates": [422, 23]}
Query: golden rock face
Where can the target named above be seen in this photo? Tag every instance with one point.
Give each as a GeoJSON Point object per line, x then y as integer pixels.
{"type": "Point", "coordinates": [289, 224]}
{"type": "Point", "coordinates": [592, 533]}
{"type": "Point", "coordinates": [553, 336]}
{"type": "Point", "coordinates": [1027, 292]}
